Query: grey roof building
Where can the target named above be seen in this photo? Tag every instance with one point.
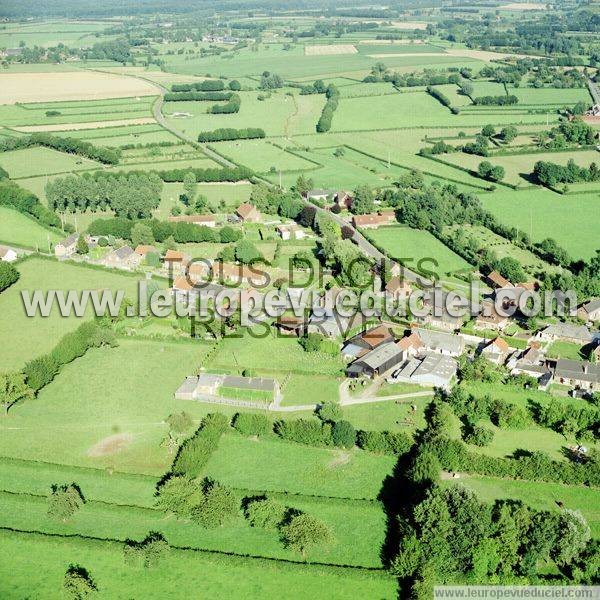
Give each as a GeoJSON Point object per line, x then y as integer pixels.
{"type": "Point", "coordinates": [577, 373]}
{"type": "Point", "coordinates": [377, 361]}
{"type": "Point", "coordinates": [440, 342]}
{"type": "Point", "coordinates": [578, 334]}
{"type": "Point", "coordinates": [429, 368]}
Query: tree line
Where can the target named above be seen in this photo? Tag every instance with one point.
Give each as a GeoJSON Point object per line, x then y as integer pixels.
{"type": "Point", "coordinates": [227, 133]}
{"type": "Point", "coordinates": [333, 97]}
{"type": "Point", "coordinates": [132, 196]}
{"type": "Point", "coordinates": [109, 156]}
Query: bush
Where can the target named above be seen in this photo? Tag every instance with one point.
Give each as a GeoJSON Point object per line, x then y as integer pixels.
{"type": "Point", "coordinates": [303, 431]}
{"type": "Point", "coordinates": [509, 416]}
{"type": "Point", "coordinates": [150, 552]}
{"type": "Point", "coordinates": [333, 96]}
{"type": "Point", "coordinates": [343, 434]}
{"type": "Point", "coordinates": [195, 452]}
{"type": "Point", "coordinates": [252, 424]}
{"type": "Point", "coordinates": [304, 531]}
{"type": "Point", "coordinates": [217, 506]}
{"type": "Point", "coordinates": [64, 501]}
{"type": "Point", "coordinates": [479, 436]}
{"type": "Point", "coordinates": [78, 583]}
{"type": "Point", "coordinates": [265, 513]}
{"type": "Point", "coordinates": [384, 442]}
{"type": "Point", "coordinates": [8, 275]}
{"type": "Point", "coordinates": [330, 411]}
{"type": "Point", "coordinates": [24, 201]}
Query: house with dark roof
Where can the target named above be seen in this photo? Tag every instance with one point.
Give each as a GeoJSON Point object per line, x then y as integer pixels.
{"type": "Point", "coordinates": [590, 311]}
{"type": "Point", "coordinates": [67, 247]}
{"type": "Point", "coordinates": [122, 258]}
{"type": "Point", "coordinates": [578, 374]}
{"type": "Point", "coordinates": [566, 332]}
{"type": "Point", "coordinates": [377, 362]}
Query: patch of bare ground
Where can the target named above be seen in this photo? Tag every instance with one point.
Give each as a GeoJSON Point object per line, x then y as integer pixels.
{"type": "Point", "coordinates": [110, 445]}
{"type": "Point", "coordinates": [340, 459]}
{"type": "Point", "coordinates": [90, 125]}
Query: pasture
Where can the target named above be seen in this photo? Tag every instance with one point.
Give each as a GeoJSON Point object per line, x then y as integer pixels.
{"type": "Point", "coordinates": [278, 466]}
{"type": "Point", "coordinates": [37, 160]}
{"type": "Point", "coordinates": [21, 230]}
{"type": "Point", "coordinates": [413, 245]}
{"type": "Point", "coordinates": [27, 338]}
{"type": "Point", "coordinates": [543, 213]}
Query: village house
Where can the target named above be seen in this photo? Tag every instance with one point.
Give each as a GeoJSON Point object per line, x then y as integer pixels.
{"type": "Point", "coordinates": [291, 325]}
{"type": "Point", "coordinates": [205, 385]}
{"type": "Point", "coordinates": [239, 274]}
{"type": "Point", "coordinates": [496, 351]}
{"type": "Point", "coordinates": [490, 318]}
{"type": "Point", "coordinates": [496, 281]}
{"type": "Point", "coordinates": [67, 247]}
{"type": "Point", "coordinates": [319, 195]}
{"type": "Point", "coordinates": [429, 340]}
{"type": "Point", "coordinates": [377, 362]}
{"type": "Point", "coordinates": [206, 220]}
{"type": "Point", "coordinates": [143, 250]}
{"type": "Point", "coordinates": [566, 332]}
{"type": "Point", "coordinates": [290, 231]}
{"type": "Point", "coordinates": [248, 213]}
{"type": "Point", "coordinates": [366, 341]}
{"type": "Point", "coordinates": [198, 270]}
{"type": "Point", "coordinates": [343, 200]}
{"type": "Point", "coordinates": [444, 321]}
{"type": "Point", "coordinates": [428, 369]}
{"type": "Point", "coordinates": [374, 220]}
{"type": "Point", "coordinates": [398, 289]}
{"type": "Point", "coordinates": [122, 258]}
{"type": "Point", "coordinates": [331, 324]}
{"type": "Point", "coordinates": [175, 261]}
{"type": "Point", "coordinates": [183, 289]}
{"type": "Point", "coordinates": [577, 374]}
{"type": "Point", "coordinates": [8, 254]}
{"type": "Point", "coordinates": [590, 312]}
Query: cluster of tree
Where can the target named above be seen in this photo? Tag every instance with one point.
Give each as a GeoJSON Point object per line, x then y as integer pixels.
{"type": "Point", "coordinates": [551, 174]}
{"type": "Point", "coordinates": [197, 96]}
{"type": "Point", "coordinates": [439, 147]}
{"type": "Point", "coordinates": [232, 105]}
{"type": "Point", "coordinates": [318, 87]}
{"type": "Point", "coordinates": [316, 342]}
{"type": "Point", "coordinates": [64, 501]}
{"type": "Point", "coordinates": [109, 156]}
{"type": "Point", "coordinates": [270, 81]}
{"type": "Point", "coordinates": [202, 175]}
{"type": "Point", "coordinates": [8, 275]}
{"type": "Point", "coordinates": [203, 501]}
{"type": "Point", "coordinates": [479, 146]}
{"type": "Point", "coordinates": [244, 252]}
{"type": "Point", "coordinates": [274, 201]}
{"type": "Point", "coordinates": [298, 530]}
{"type": "Point", "coordinates": [132, 196]}
{"type": "Point", "coordinates": [40, 371]}
{"type": "Point", "coordinates": [195, 451]}
{"type": "Point", "coordinates": [227, 133]}
{"type": "Point", "coordinates": [379, 72]}
{"type": "Point", "coordinates": [118, 50]}
{"type": "Point", "coordinates": [333, 97]}
{"type": "Point", "coordinates": [349, 265]}
{"type": "Point", "coordinates": [486, 170]}
{"type": "Point", "coordinates": [149, 553]}
{"type": "Point", "coordinates": [504, 100]}
{"type": "Point", "coordinates": [579, 422]}
{"type": "Point", "coordinates": [574, 132]}
{"type": "Point", "coordinates": [78, 583]}
{"type": "Point", "coordinates": [208, 85]}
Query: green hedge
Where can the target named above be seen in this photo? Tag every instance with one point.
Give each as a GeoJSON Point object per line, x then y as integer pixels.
{"type": "Point", "coordinates": [227, 134]}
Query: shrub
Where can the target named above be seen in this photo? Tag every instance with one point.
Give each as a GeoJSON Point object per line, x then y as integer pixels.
{"type": "Point", "coordinates": [217, 506]}
{"type": "Point", "coordinates": [508, 415]}
{"type": "Point", "coordinates": [384, 442]}
{"type": "Point", "coordinates": [330, 411]}
{"type": "Point", "coordinates": [479, 436]}
{"type": "Point", "coordinates": [64, 501]}
{"type": "Point", "coordinates": [265, 512]}
{"type": "Point", "coordinates": [303, 431]}
{"type": "Point", "coordinates": [344, 434]}
{"type": "Point", "coordinates": [225, 134]}
{"type": "Point", "coordinates": [195, 452]}
{"type": "Point", "coordinates": [150, 552]}
{"type": "Point", "coordinates": [304, 531]}
{"type": "Point", "coordinates": [252, 424]}
{"type": "Point", "coordinates": [78, 583]}
{"type": "Point", "coordinates": [8, 275]}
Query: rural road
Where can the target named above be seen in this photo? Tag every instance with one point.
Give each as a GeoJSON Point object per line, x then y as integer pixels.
{"type": "Point", "coordinates": [160, 119]}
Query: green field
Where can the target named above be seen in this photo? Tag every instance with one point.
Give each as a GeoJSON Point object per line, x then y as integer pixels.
{"type": "Point", "coordinates": [276, 466]}
{"type": "Point", "coordinates": [18, 229]}
{"type": "Point", "coordinates": [26, 338]}
{"type": "Point", "coordinates": [413, 245]}
{"type": "Point", "coordinates": [543, 213]}
{"type": "Point", "coordinates": [30, 162]}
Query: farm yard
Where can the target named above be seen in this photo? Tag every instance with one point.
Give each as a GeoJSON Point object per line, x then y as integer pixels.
{"type": "Point", "coordinates": [299, 461]}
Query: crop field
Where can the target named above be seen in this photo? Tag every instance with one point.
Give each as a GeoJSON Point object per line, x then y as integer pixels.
{"type": "Point", "coordinates": [543, 213]}
{"type": "Point", "coordinates": [70, 85]}
{"type": "Point", "coordinates": [18, 229]}
{"type": "Point", "coordinates": [413, 245]}
{"type": "Point", "coordinates": [28, 338]}
{"type": "Point", "coordinates": [31, 162]}
{"type": "Point", "coordinates": [550, 96]}
{"type": "Point", "coordinates": [74, 34]}
{"type": "Point", "coordinates": [329, 49]}
{"type": "Point", "coordinates": [73, 115]}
